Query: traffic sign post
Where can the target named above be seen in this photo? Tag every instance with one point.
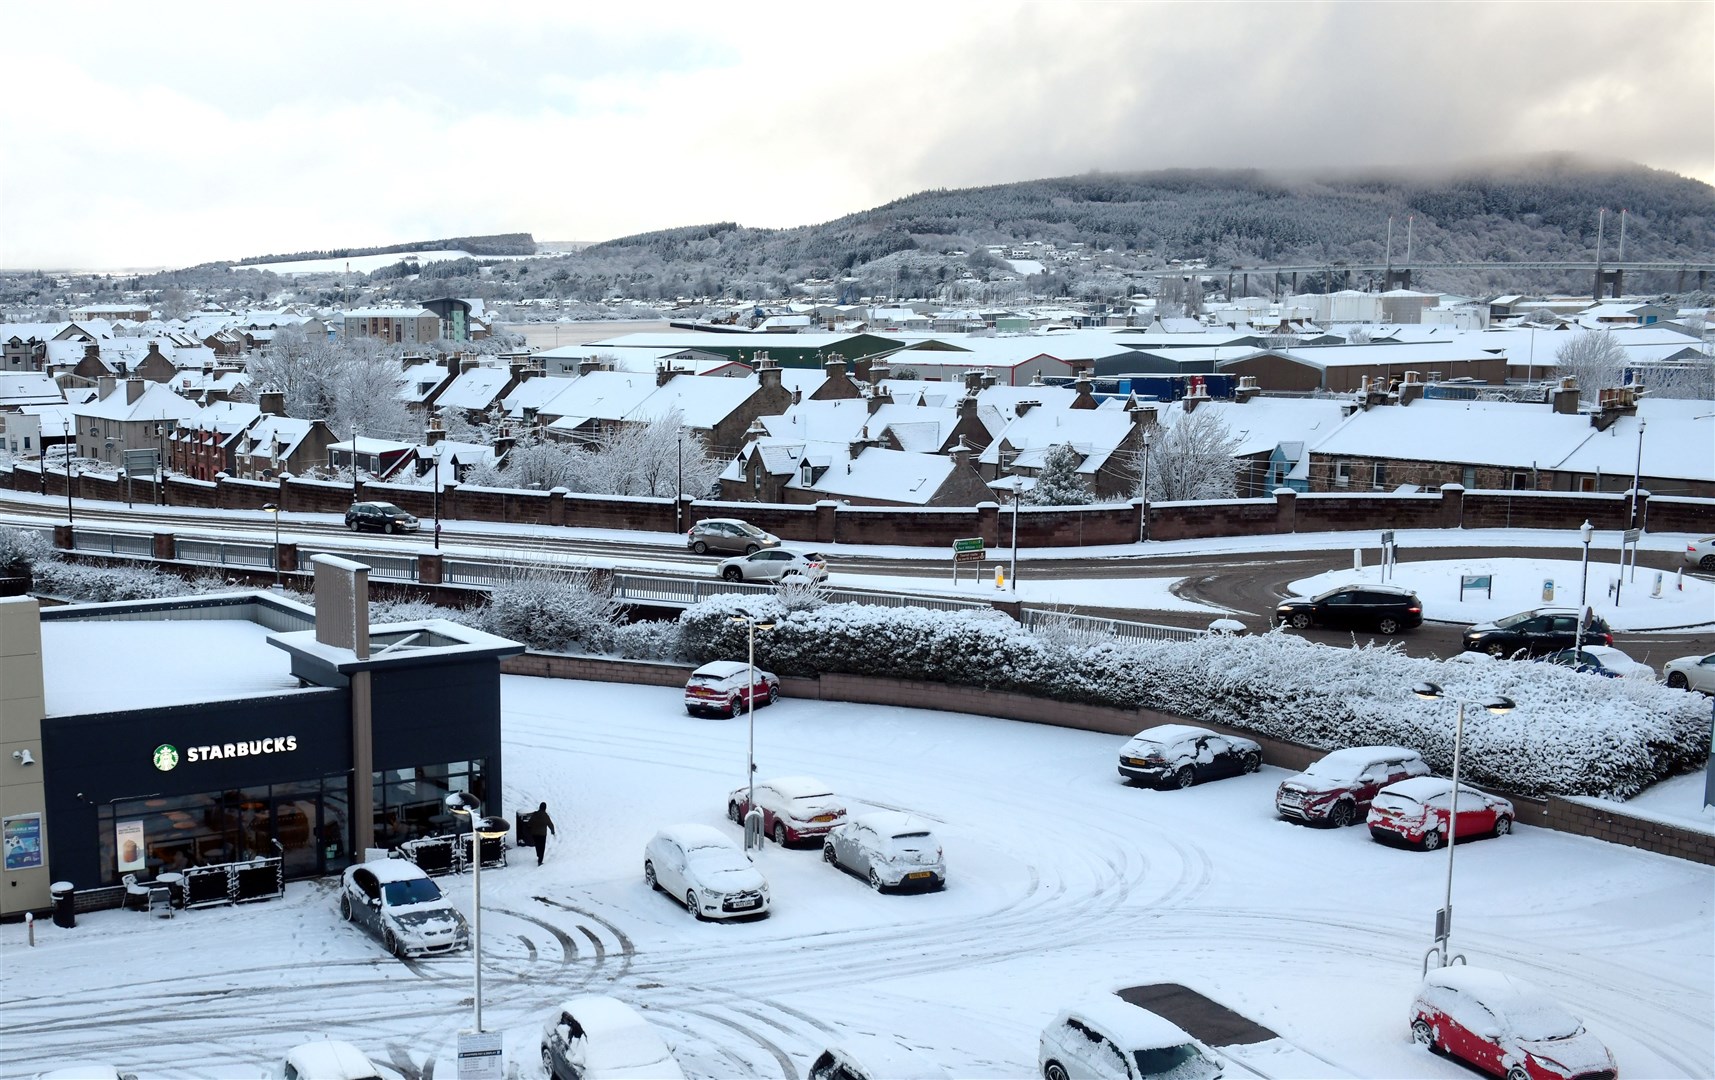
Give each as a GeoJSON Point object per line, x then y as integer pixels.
{"type": "Point", "coordinates": [969, 550]}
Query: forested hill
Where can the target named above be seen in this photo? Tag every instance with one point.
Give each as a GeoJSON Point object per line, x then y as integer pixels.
{"type": "Point", "coordinates": [1541, 208]}
{"type": "Point", "coordinates": [497, 244]}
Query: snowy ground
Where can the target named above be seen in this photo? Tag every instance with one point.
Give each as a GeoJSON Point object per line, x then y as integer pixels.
{"type": "Point", "coordinates": [1684, 601]}
{"type": "Point", "coordinates": [1062, 881]}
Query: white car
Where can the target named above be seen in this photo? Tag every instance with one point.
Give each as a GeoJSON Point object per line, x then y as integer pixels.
{"type": "Point", "coordinates": [707, 871]}
{"type": "Point", "coordinates": [84, 1071]}
{"type": "Point", "coordinates": [1603, 660]}
{"type": "Point", "coordinates": [400, 904]}
{"type": "Point", "coordinates": [794, 808]}
{"type": "Point", "coordinates": [1691, 673]}
{"type": "Point", "coordinates": [775, 564]}
{"type": "Point", "coordinates": [327, 1060]}
{"type": "Point", "coordinates": [889, 849]}
{"type": "Point", "coordinates": [860, 1057]}
{"type": "Point", "coordinates": [1701, 553]}
{"type": "Point", "coordinates": [595, 1037]}
{"type": "Point", "coordinates": [725, 688]}
{"type": "Point", "coordinates": [1109, 1038]}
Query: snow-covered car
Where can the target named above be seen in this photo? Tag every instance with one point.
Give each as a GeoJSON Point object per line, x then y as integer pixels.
{"type": "Point", "coordinates": [1109, 1038]}
{"type": "Point", "coordinates": [775, 564]}
{"type": "Point", "coordinates": [1691, 673]}
{"type": "Point", "coordinates": [401, 905]}
{"type": "Point", "coordinates": [1603, 660]}
{"type": "Point", "coordinates": [860, 1057]}
{"type": "Point", "coordinates": [889, 849]}
{"type": "Point", "coordinates": [1701, 553]}
{"type": "Point", "coordinates": [1337, 788]}
{"type": "Point", "coordinates": [706, 870]}
{"type": "Point", "coordinates": [380, 517]}
{"type": "Point", "coordinates": [1536, 632]}
{"type": "Point", "coordinates": [83, 1071]}
{"type": "Point", "coordinates": [1179, 755]}
{"type": "Point", "coordinates": [595, 1037]}
{"type": "Point", "coordinates": [1415, 812]}
{"type": "Point", "coordinates": [328, 1059]}
{"type": "Point", "coordinates": [725, 688]}
{"type": "Point", "coordinates": [1505, 1027]}
{"type": "Point", "coordinates": [794, 808]}
{"type": "Point", "coordinates": [728, 534]}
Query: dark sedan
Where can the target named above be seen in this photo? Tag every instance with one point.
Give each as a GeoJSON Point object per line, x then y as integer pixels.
{"type": "Point", "coordinates": [1385, 609]}
{"type": "Point", "coordinates": [381, 517]}
{"type": "Point", "coordinates": [1178, 755]}
{"type": "Point", "coordinates": [1537, 632]}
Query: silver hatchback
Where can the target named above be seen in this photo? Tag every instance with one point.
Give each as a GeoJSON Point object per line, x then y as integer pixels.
{"type": "Point", "coordinates": [728, 534]}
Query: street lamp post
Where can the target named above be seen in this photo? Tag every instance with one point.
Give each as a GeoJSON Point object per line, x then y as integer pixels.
{"type": "Point", "coordinates": [465, 805]}
{"type": "Point", "coordinates": [440, 449]}
{"type": "Point", "coordinates": [752, 818]}
{"type": "Point", "coordinates": [1143, 529]}
{"type": "Point", "coordinates": [1585, 532]}
{"type": "Point", "coordinates": [70, 465]}
{"type": "Point", "coordinates": [354, 464]}
{"type": "Point", "coordinates": [1431, 692]}
{"type": "Point", "coordinates": [679, 487]}
{"type": "Point", "coordinates": [273, 508]}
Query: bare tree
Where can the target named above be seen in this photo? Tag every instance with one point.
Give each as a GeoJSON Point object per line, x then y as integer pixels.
{"type": "Point", "coordinates": [1193, 460]}
{"type": "Point", "coordinates": [353, 385]}
{"type": "Point", "coordinates": [1594, 359]}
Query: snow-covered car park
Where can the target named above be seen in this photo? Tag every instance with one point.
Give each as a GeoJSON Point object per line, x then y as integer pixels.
{"type": "Point", "coordinates": [1062, 880]}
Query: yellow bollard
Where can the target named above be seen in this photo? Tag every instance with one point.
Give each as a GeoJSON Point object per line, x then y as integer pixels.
{"type": "Point", "coordinates": [999, 577]}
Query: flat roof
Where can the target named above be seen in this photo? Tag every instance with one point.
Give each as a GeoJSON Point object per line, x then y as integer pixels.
{"type": "Point", "coordinates": [103, 666]}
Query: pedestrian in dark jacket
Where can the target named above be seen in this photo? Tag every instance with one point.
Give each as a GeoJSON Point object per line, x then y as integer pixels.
{"type": "Point", "coordinates": [540, 826]}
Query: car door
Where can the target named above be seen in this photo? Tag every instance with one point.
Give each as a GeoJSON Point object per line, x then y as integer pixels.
{"type": "Point", "coordinates": [559, 1041]}
{"type": "Point", "coordinates": [1377, 775]}
{"type": "Point", "coordinates": [367, 908]}
{"type": "Point", "coordinates": [1476, 815]}
{"type": "Point", "coordinates": [1702, 674]}
{"type": "Point", "coordinates": [759, 688]}
{"type": "Point", "coordinates": [771, 801]}
{"type": "Point", "coordinates": [1562, 632]}
{"type": "Point", "coordinates": [1205, 753]}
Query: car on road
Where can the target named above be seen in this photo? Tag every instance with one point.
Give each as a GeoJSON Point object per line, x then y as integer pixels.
{"type": "Point", "coordinates": [596, 1037]}
{"type": "Point", "coordinates": [1691, 673]}
{"type": "Point", "coordinates": [1414, 812]}
{"type": "Point", "coordinates": [889, 849]}
{"type": "Point", "coordinates": [1603, 660]}
{"type": "Point", "coordinates": [1179, 755]}
{"type": "Point", "coordinates": [328, 1059]}
{"type": "Point", "coordinates": [1701, 553]}
{"type": "Point", "coordinates": [1536, 632]}
{"type": "Point", "coordinates": [1386, 609]}
{"type": "Point", "coordinates": [794, 808]}
{"type": "Point", "coordinates": [728, 534]}
{"type": "Point", "coordinates": [705, 870]}
{"type": "Point", "coordinates": [1109, 1038]}
{"type": "Point", "coordinates": [380, 517]}
{"type": "Point", "coordinates": [1505, 1027]}
{"type": "Point", "coordinates": [1337, 788]}
{"type": "Point", "coordinates": [857, 1057]}
{"type": "Point", "coordinates": [725, 688]}
{"type": "Point", "coordinates": [401, 905]}
{"type": "Point", "coordinates": [774, 564]}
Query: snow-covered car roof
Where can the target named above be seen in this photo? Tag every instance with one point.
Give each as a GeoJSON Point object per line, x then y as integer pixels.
{"type": "Point", "coordinates": [723, 669]}
{"type": "Point", "coordinates": [691, 836]}
{"type": "Point", "coordinates": [331, 1060]}
{"type": "Point", "coordinates": [892, 822]}
{"type": "Point", "coordinates": [884, 1058]}
{"type": "Point", "coordinates": [1527, 1008]}
{"type": "Point", "coordinates": [1424, 788]}
{"type": "Point", "coordinates": [81, 1070]}
{"type": "Point", "coordinates": [1166, 733]}
{"type": "Point", "coordinates": [389, 870]}
{"type": "Point", "coordinates": [619, 1037]}
{"type": "Point", "coordinates": [1135, 1028]}
{"type": "Point", "coordinates": [1357, 758]}
{"type": "Point", "coordinates": [798, 787]}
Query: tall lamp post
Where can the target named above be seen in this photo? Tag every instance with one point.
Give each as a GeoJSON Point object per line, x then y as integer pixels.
{"type": "Point", "coordinates": [1431, 692]}
{"type": "Point", "coordinates": [70, 466]}
{"type": "Point", "coordinates": [1585, 532]}
{"type": "Point", "coordinates": [1143, 528]}
{"type": "Point", "coordinates": [440, 449]}
{"type": "Point", "coordinates": [679, 487]}
{"type": "Point", "coordinates": [273, 508]}
{"type": "Point", "coordinates": [752, 818]}
{"type": "Point", "coordinates": [465, 805]}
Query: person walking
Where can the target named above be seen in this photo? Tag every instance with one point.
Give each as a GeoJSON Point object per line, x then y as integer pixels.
{"type": "Point", "coordinates": [540, 826]}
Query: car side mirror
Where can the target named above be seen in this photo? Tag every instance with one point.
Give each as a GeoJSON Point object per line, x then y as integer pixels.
{"type": "Point", "coordinates": [1490, 1033]}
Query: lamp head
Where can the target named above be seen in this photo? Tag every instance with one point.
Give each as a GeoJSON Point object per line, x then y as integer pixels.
{"type": "Point", "coordinates": [1586, 531]}
{"type": "Point", "coordinates": [463, 802]}
{"type": "Point", "coordinates": [271, 508]}
{"type": "Point", "coordinates": [1428, 691]}
{"type": "Point", "coordinates": [490, 826]}
{"type": "Point", "coordinates": [1499, 704]}
{"type": "Point", "coordinates": [23, 757]}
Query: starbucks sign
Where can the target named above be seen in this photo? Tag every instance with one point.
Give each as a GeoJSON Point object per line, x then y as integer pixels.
{"type": "Point", "coordinates": [166, 757]}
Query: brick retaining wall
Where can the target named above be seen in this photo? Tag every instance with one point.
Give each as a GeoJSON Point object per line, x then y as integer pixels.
{"type": "Point", "coordinates": [1602, 820]}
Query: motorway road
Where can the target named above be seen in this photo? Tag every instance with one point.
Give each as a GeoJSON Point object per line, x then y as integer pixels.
{"type": "Point", "coordinates": [1246, 584]}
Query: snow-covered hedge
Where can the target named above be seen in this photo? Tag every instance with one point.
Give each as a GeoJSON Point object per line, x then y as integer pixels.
{"type": "Point", "coordinates": [21, 549]}
{"type": "Point", "coordinates": [549, 610]}
{"type": "Point", "coordinates": [1571, 734]}
{"type": "Point", "coordinates": [103, 584]}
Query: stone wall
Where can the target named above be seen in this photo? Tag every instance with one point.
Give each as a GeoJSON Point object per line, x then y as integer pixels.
{"type": "Point", "coordinates": [1606, 821]}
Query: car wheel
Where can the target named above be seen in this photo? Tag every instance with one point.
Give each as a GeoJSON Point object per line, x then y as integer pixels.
{"type": "Point", "coordinates": [1390, 627]}
{"type": "Point", "coordinates": [874, 880]}
{"type": "Point", "coordinates": [691, 904]}
{"type": "Point", "coordinates": [1517, 1072]}
{"type": "Point", "coordinates": [1431, 840]}
{"type": "Point", "coordinates": [733, 573]}
{"type": "Point", "coordinates": [1184, 778]}
{"type": "Point", "coordinates": [649, 876]}
{"type": "Point", "coordinates": [732, 813]}
{"type": "Point", "coordinates": [1706, 563]}
{"type": "Point", "coordinates": [345, 908]}
{"type": "Point", "coordinates": [1497, 650]}
{"type": "Point", "coordinates": [1503, 825]}
{"type": "Point", "coordinates": [548, 1064]}
{"type": "Point", "coordinates": [1342, 813]}
{"type": "Point", "coordinates": [1054, 1071]}
{"type": "Point", "coordinates": [1301, 621]}
{"type": "Point", "coordinates": [392, 944]}
{"type": "Point", "coordinates": [780, 834]}
{"type": "Point", "coordinates": [700, 548]}
{"type": "Point", "coordinates": [751, 549]}
{"type": "Point", "coordinates": [735, 707]}
{"type": "Point", "coordinates": [1422, 1034]}
{"type": "Point", "coordinates": [1676, 680]}
{"type": "Point", "coordinates": [387, 526]}
{"type": "Point", "coordinates": [1251, 762]}
{"type": "Point", "coordinates": [352, 525]}
{"type": "Point", "coordinates": [774, 693]}
{"type": "Point", "coordinates": [828, 855]}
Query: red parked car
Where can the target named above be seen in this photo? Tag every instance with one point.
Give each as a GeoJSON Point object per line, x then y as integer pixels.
{"type": "Point", "coordinates": [1415, 812]}
{"type": "Point", "coordinates": [720, 688]}
{"type": "Point", "coordinates": [794, 808]}
{"type": "Point", "coordinates": [1337, 789]}
{"type": "Point", "coordinates": [1505, 1027]}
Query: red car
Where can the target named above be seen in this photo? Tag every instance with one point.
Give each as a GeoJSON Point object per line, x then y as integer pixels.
{"type": "Point", "coordinates": [1337, 789]}
{"type": "Point", "coordinates": [1505, 1027]}
{"type": "Point", "coordinates": [794, 808]}
{"type": "Point", "coordinates": [720, 688]}
{"type": "Point", "coordinates": [1415, 812]}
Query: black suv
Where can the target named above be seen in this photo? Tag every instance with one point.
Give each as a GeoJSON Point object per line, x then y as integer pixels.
{"type": "Point", "coordinates": [1386, 609]}
{"type": "Point", "coordinates": [381, 517]}
{"type": "Point", "coordinates": [1536, 632]}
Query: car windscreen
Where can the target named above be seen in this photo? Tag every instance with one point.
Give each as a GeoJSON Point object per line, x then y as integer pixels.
{"type": "Point", "coordinates": [1181, 1062]}
{"type": "Point", "coordinates": [1541, 1020]}
{"type": "Point", "coordinates": [388, 508]}
{"type": "Point", "coordinates": [716, 858]}
{"type": "Point", "coordinates": [749, 529]}
{"type": "Point", "coordinates": [1513, 620]}
{"type": "Point", "coordinates": [1393, 800]}
{"type": "Point", "coordinates": [1335, 770]}
{"type": "Point", "coordinates": [410, 891]}
{"type": "Point", "coordinates": [708, 680]}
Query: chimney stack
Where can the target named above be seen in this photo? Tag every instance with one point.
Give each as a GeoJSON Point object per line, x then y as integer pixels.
{"type": "Point", "coordinates": [860, 370]}
{"type": "Point", "coordinates": [834, 367]}
{"type": "Point", "coordinates": [1246, 389]}
{"type": "Point", "coordinates": [1024, 406]}
{"type": "Point", "coordinates": [973, 381]}
{"type": "Point", "coordinates": [767, 373]}
{"type": "Point", "coordinates": [1564, 398]}
{"type": "Point", "coordinates": [271, 402]}
{"type": "Point", "coordinates": [104, 386]}
{"type": "Point", "coordinates": [435, 435]}
{"type": "Point", "coordinates": [663, 373]}
{"type": "Point", "coordinates": [1083, 387]}
{"type": "Point", "coordinates": [1144, 416]}
{"type": "Point", "coordinates": [879, 372]}
{"type": "Point", "coordinates": [1411, 389]}
{"type": "Point", "coordinates": [133, 390]}
{"type": "Point", "coordinates": [592, 364]}
{"type": "Point", "coordinates": [878, 398]}
{"type": "Point", "coordinates": [961, 454]}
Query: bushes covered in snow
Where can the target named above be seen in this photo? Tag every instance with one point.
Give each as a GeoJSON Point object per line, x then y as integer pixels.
{"type": "Point", "coordinates": [1571, 734]}
{"type": "Point", "coordinates": [551, 610]}
{"type": "Point", "coordinates": [102, 584]}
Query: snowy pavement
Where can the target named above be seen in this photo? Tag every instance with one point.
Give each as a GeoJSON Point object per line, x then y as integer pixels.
{"type": "Point", "coordinates": [1061, 881]}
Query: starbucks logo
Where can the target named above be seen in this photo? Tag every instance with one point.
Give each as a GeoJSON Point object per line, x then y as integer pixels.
{"type": "Point", "coordinates": [166, 757]}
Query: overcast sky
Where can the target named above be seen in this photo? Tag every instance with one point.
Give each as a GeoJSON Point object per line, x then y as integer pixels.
{"type": "Point", "coordinates": [179, 133]}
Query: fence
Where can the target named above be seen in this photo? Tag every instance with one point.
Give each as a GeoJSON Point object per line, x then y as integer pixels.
{"type": "Point", "coordinates": [392, 567]}
{"type": "Point", "coordinates": [222, 554]}
{"type": "Point", "coordinates": [111, 543]}
{"type": "Point", "coordinates": [1038, 621]}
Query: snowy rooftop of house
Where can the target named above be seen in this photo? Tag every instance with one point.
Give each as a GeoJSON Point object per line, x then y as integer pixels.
{"type": "Point", "coordinates": [150, 664]}
{"type": "Point", "coordinates": [155, 403]}
{"type": "Point", "coordinates": [607, 395]}
{"type": "Point", "coordinates": [367, 445]}
{"type": "Point", "coordinates": [1678, 442]}
{"type": "Point", "coordinates": [1262, 423]}
{"type": "Point", "coordinates": [702, 339]}
{"type": "Point", "coordinates": [275, 436]}
{"type": "Point", "coordinates": [1467, 432]}
{"type": "Point", "coordinates": [31, 331]}
{"type": "Point", "coordinates": [830, 421]}
{"type": "Point", "coordinates": [1096, 433]}
{"type": "Point", "coordinates": [533, 392]}
{"type": "Point", "coordinates": [894, 475]}
{"type": "Point", "coordinates": [702, 401]}
{"type": "Point", "coordinates": [1421, 354]}
{"type": "Point", "coordinates": [803, 381]}
{"type": "Point", "coordinates": [474, 388]}
{"type": "Point", "coordinates": [29, 388]}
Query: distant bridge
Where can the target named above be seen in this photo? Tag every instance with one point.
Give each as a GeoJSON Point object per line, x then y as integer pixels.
{"type": "Point", "coordinates": [1398, 275]}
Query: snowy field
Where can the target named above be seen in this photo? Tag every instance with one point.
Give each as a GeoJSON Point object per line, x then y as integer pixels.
{"type": "Point", "coordinates": [1061, 881]}
{"type": "Point", "coordinates": [1684, 601]}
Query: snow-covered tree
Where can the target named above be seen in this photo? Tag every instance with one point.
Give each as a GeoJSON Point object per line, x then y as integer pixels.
{"type": "Point", "coordinates": [1594, 359]}
{"type": "Point", "coordinates": [652, 458]}
{"type": "Point", "coordinates": [352, 384]}
{"type": "Point", "coordinates": [1193, 459]}
{"type": "Point", "coordinates": [1058, 482]}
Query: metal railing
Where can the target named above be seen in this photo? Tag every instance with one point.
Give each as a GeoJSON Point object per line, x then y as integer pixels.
{"type": "Point", "coordinates": [393, 567]}
{"type": "Point", "coordinates": [679, 591]}
{"type": "Point", "coordinates": [1039, 621]}
{"type": "Point", "coordinates": [112, 543]}
{"type": "Point", "coordinates": [220, 553]}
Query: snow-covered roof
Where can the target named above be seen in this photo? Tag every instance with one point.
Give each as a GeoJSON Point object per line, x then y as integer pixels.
{"type": "Point", "coordinates": [1262, 423]}
{"type": "Point", "coordinates": [390, 313]}
{"type": "Point", "coordinates": [474, 388]}
{"type": "Point", "coordinates": [156, 402]}
{"type": "Point", "coordinates": [1512, 434]}
{"type": "Point", "coordinates": [1422, 354]}
{"type": "Point", "coordinates": [1167, 733]}
{"type": "Point", "coordinates": [605, 395]}
{"type": "Point", "coordinates": [1095, 433]}
{"type": "Point", "coordinates": [1677, 442]}
{"type": "Point", "coordinates": [28, 388]}
{"type": "Point", "coordinates": [275, 437]}
{"type": "Point", "coordinates": [533, 393]}
{"type": "Point", "coordinates": [1134, 1027]}
{"type": "Point", "coordinates": [701, 400]}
